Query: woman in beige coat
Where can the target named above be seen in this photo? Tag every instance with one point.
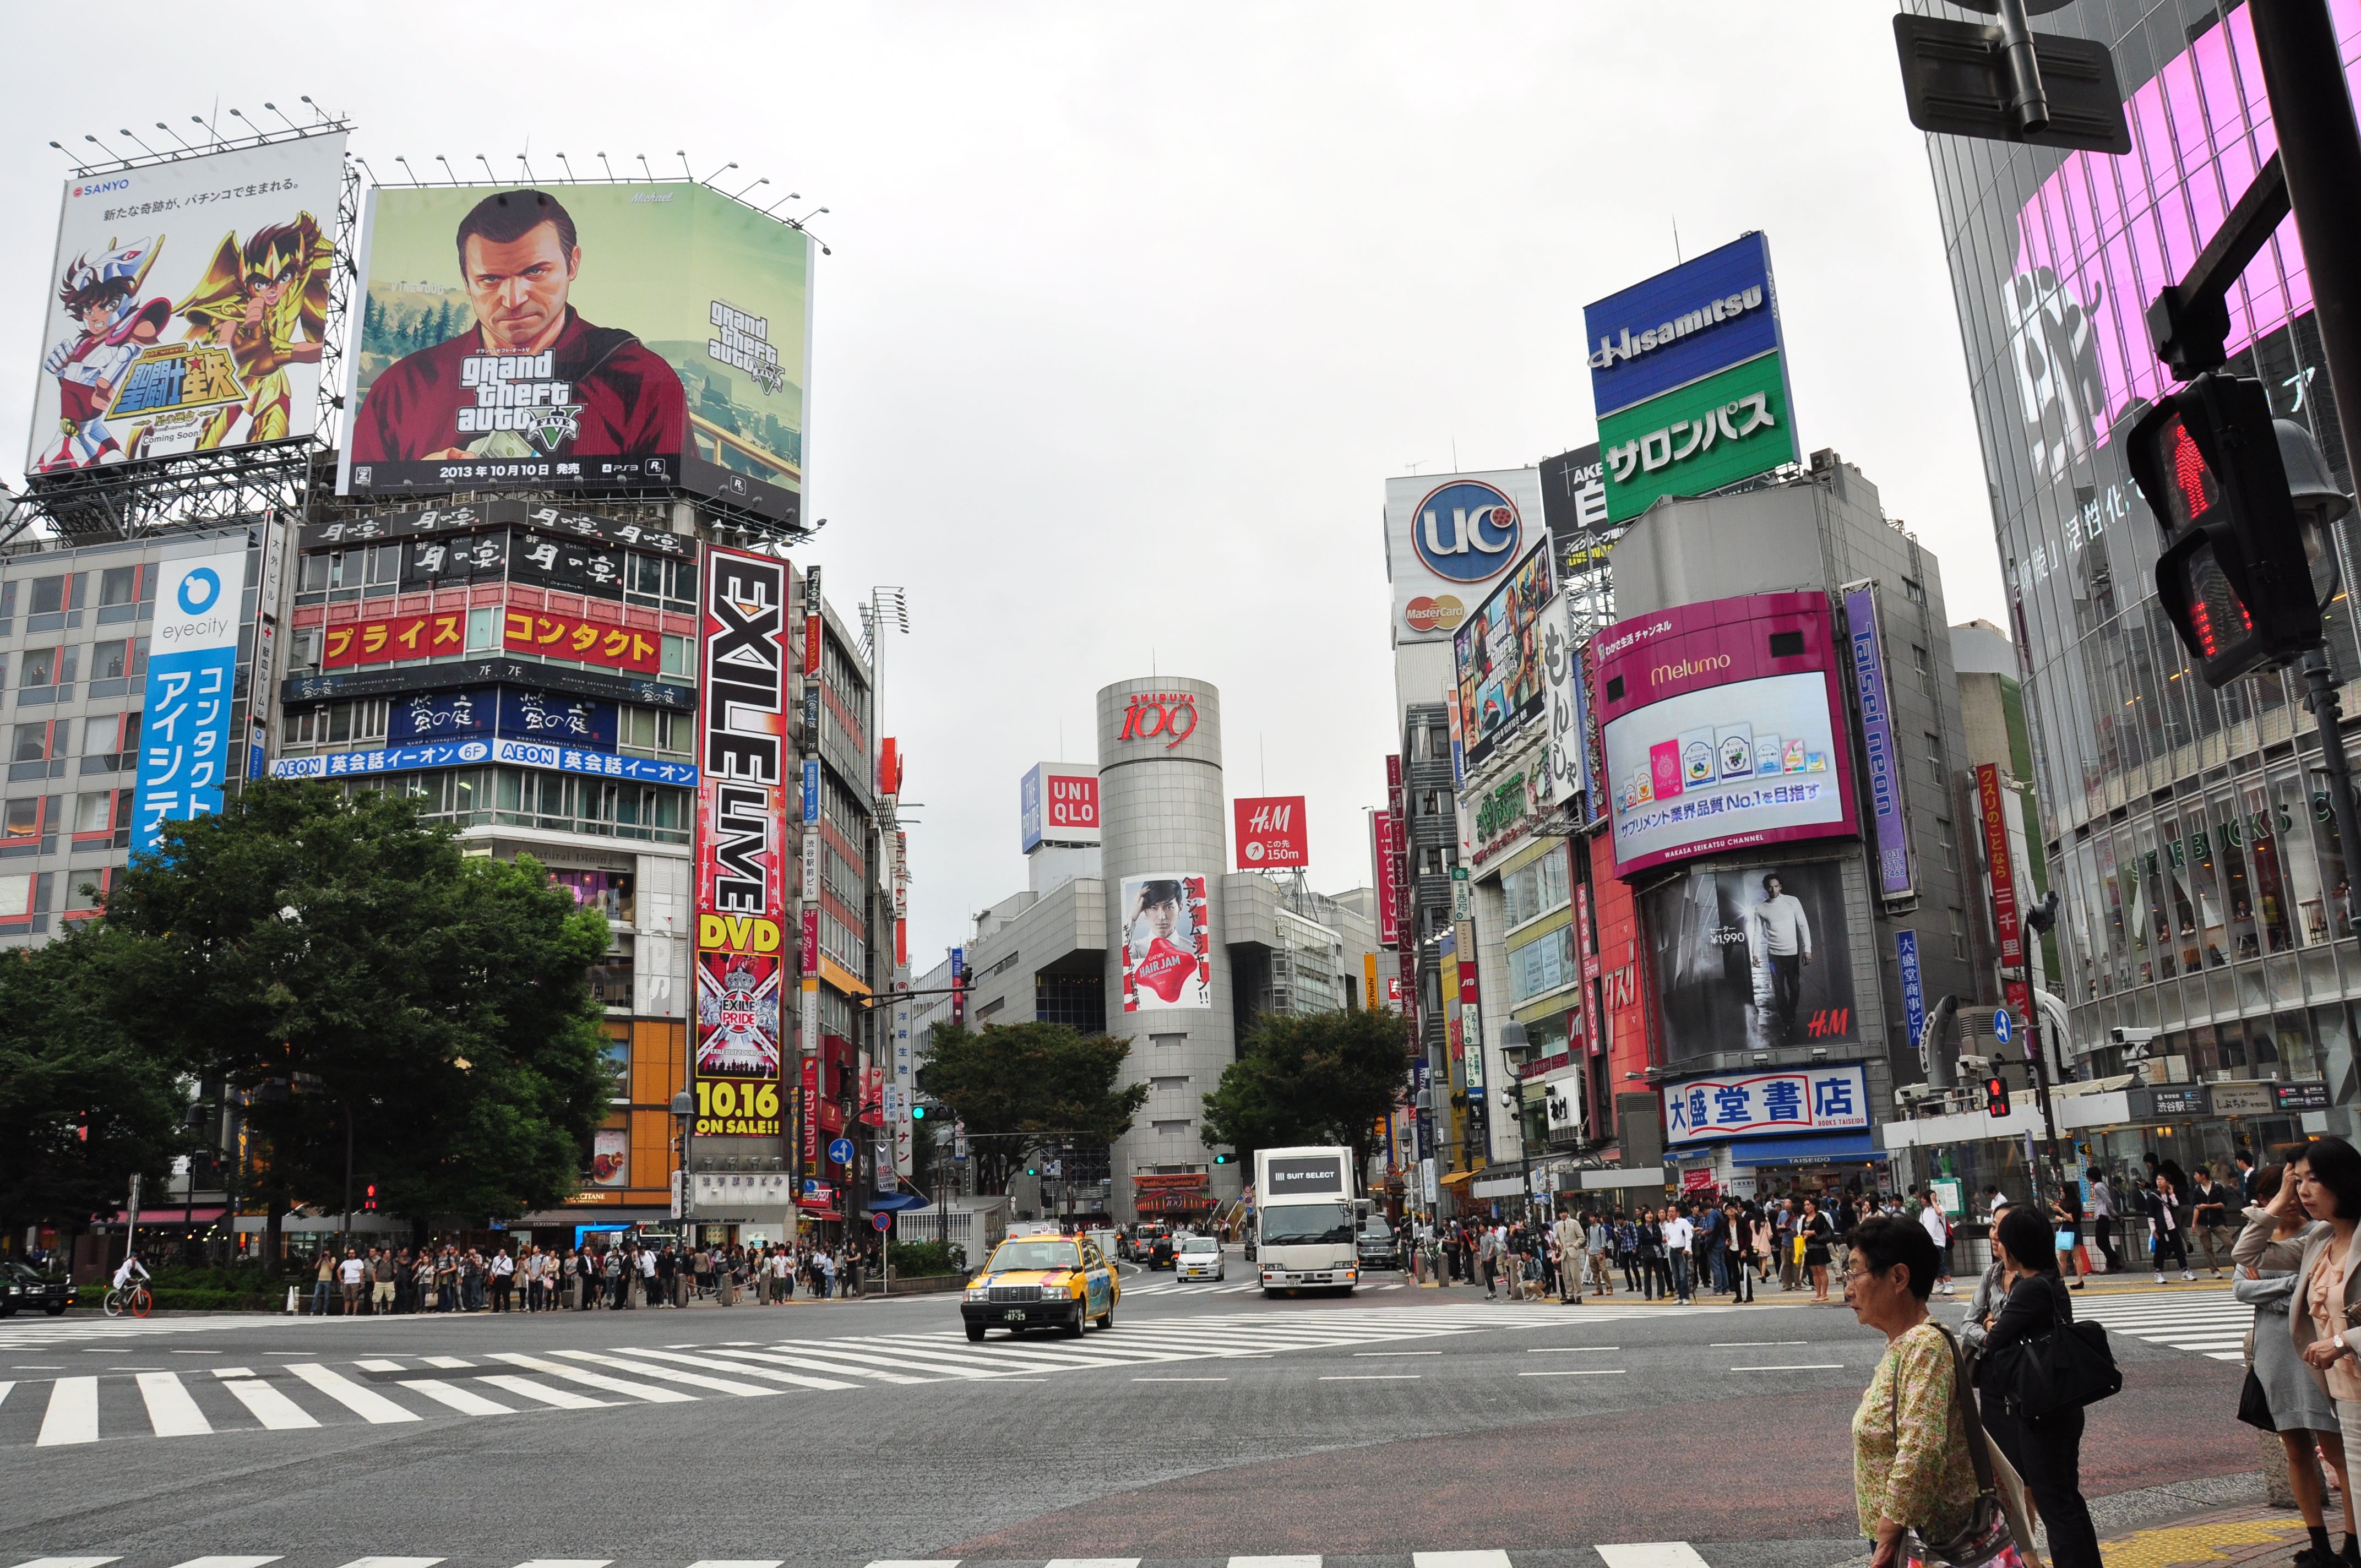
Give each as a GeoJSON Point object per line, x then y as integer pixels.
{"type": "Point", "coordinates": [2323, 1181]}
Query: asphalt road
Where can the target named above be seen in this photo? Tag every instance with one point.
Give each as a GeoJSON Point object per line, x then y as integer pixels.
{"type": "Point", "coordinates": [1205, 1424]}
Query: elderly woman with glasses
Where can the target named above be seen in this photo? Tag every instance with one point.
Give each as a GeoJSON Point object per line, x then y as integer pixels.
{"type": "Point", "coordinates": [1910, 1460]}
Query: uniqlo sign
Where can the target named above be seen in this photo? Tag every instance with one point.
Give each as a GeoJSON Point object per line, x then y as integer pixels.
{"type": "Point", "coordinates": [1269, 832]}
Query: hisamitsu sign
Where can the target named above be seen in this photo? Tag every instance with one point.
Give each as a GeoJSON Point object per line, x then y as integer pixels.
{"type": "Point", "coordinates": [1758, 1105]}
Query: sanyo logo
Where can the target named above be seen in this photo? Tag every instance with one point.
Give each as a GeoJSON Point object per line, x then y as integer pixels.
{"type": "Point", "coordinates": [100, 187]}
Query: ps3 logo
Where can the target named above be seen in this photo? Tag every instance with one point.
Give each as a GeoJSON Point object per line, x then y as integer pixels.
{"type": "Point", "coordinates": [1467, 531]}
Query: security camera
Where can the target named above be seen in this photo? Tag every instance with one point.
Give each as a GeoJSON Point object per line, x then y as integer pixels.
{"type": "Point", "coordinates": [2134, 1041]}
{"type": "Point", "coordinates": [1974, 1066]}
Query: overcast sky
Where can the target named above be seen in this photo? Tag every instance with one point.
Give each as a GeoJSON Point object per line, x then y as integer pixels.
{"type": "Point", "coordinates": [1133, 309]}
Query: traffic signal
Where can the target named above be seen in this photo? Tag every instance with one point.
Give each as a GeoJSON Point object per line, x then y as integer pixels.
{"type": "Point", "coordinates": [918, 1111]}
{"type": "Point", "coordinates": [368, 1197]}
{"type": "Point", "coordinates": [1221, 1159]}
{"type": "Point", "coordinates": [1996, 1096]}
{"type": "Point", "coordinates": [2243, 502]}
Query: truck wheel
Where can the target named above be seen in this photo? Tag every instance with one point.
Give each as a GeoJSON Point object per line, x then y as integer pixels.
{"type": "Point", "coordinates": [975, 1334]}
{"type": "Point", "coordinates": [1268, 1294]}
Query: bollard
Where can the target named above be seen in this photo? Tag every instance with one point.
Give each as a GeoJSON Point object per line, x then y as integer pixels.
{"type": "Point", "coordinates": [290, 1301]}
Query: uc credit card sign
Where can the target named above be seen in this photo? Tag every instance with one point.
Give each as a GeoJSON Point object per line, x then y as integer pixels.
{"type": "Point", "coordinates": [192, 666]}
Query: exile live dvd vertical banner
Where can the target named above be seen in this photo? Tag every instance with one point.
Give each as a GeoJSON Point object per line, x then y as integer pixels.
{"type": "Point", "coordinates": [742, 853]}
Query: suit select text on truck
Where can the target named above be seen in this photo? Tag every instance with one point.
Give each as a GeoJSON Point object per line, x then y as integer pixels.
{"type": "Point", "coordinates": [1305, 1216]}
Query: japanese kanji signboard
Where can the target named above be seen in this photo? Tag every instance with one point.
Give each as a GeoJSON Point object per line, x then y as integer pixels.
{"type": "Point", "coordinates": [1756, 1104]}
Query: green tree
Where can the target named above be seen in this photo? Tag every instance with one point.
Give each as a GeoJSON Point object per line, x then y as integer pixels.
{"type": "Point", "coordinates": [1321, 1077]}
{"type": "Point", "coordinates": [1021, 1087]}
{"type": "Point", "coordinates": [85, 1104]}
{"type": "Point", "coordinates": [434, 1003]}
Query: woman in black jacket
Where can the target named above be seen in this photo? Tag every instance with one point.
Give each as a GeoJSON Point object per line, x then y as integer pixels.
{"type": "Point", "coordinates": [2045, 1450]}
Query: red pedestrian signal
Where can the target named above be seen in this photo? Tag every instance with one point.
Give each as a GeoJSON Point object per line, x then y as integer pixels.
{"type": "Point", "coordinates": [369, 1199]}
{"type": "Point", "coordinates": [1996, 1096]}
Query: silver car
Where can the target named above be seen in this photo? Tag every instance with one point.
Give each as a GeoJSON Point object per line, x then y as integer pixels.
{"type": "Point", "coordinates": [1198, 1257]}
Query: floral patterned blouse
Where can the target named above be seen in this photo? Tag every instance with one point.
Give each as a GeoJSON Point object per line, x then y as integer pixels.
{"type": "Point", "coordinates": [1910, 1457]}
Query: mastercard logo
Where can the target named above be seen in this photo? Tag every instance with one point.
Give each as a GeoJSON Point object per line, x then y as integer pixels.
{"type": "Point", "coordinates": [1442, 612]}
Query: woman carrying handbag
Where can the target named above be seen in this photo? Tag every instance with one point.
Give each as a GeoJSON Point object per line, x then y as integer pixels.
{"type": "Point", "coordinates": [2293, 1403]}
{"type": "Point", "coordinates": [1925, 1488]}
{"type": "Point", "coordinates": [2045, 1449]}
{"type": "Point", "coordinates": [2323, 1181]}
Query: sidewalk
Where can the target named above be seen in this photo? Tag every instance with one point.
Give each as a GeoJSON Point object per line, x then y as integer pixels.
{"type": "Point", "coordinates": [2233, 1535]}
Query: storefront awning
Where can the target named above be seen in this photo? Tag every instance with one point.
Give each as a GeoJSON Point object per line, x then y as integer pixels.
{"type": "Point", "coordinates": [1457, 1179]}
{"type": "Point", "coordinates": [1806, 1149]}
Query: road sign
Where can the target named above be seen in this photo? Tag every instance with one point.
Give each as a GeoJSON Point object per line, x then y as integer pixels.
{"type": "Point", "coordinates": [2000, 1025]}
{"type": "Point", "coordinates": [840, 1151]}
{"type": "Point", "coordinates": [1957, 78]}
{"type": "Point", "coordinates": [882, 1222]}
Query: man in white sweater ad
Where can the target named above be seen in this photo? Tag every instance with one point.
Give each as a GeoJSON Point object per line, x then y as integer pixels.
{"type": "Point", "coordinates": [1783, 936]}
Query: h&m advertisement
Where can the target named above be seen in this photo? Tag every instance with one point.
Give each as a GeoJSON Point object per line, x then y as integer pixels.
{"type": "Point", "coordinates": [1167, 943]}
{"type": "Point", "coordinates": [1753, 960]}
{"type": "Point", "coordinates": [1497, 656]}
{"type": "Point", "coordinates": [585, 337]}
{"type": "Point", "coordinates": [187, 304]}
{"type": "Point", "coordinates": [741, 852]}
{"type": "Point", "coordinates": [1719, 725]}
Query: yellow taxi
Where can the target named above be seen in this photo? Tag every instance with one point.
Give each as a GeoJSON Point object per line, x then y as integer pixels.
{"type": "Point", "coordinates": [1042, 1281]}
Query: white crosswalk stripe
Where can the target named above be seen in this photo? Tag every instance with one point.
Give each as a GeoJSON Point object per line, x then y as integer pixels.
{"type": "Point", "coordinates": [2210, 1323]}
{"type": "Point", "coordinates": [1626, 1554]}
{"type": "Point", "coordinates": [308, 1392]}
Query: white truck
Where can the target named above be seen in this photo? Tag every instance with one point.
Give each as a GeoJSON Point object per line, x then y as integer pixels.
{"type": "Point", "coordinates": [1305, 1217]}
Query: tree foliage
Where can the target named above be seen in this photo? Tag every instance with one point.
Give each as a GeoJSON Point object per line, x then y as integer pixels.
{"type": "Point", "coordinates": [1320, 1077]}
{"type": "Point", "coordinates": [1019, 1088]}
{"type": "Point", "coordinates": [84, 1103]}
{"type": "Point", "coordinates": [348, 951]}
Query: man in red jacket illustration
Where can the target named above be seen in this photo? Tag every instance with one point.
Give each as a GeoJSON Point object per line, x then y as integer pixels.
{"type": "Point", "coordinates": [529, 379]}
{"type": "Point", "coordinates": [1160, 963]}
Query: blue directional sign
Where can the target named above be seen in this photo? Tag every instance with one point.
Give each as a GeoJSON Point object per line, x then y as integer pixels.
{"type": "Point", "coordinates": [840, 1151]}
{"type": "Point", "coordinates": [2000, 1025]}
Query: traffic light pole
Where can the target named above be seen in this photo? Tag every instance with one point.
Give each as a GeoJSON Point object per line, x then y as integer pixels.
{"type": "Point", "coordinates": [2320, 147]}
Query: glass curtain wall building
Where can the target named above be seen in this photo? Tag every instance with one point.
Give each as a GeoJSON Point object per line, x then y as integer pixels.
{"type": "Point", "coordinates": [2188, 826]}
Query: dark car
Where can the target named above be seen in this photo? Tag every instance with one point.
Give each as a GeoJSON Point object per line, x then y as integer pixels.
{"type": "Point", "coordinates": [1377, 1249]}
{"type": "Point", "coordinates": [21, 1289]}
{"type": "Point", "coordinates": [1156, 1250]}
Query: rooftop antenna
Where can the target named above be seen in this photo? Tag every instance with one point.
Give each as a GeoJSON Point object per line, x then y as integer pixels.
{"type": "Point", "coordinates": [167, 131]}
{"type": "Point", "coordinates": [570, 170]}
{"type": "Point", "coordinates": [1262, 763]}
{"type": "Point", "coordinates": [1676, 239]}
{"type": "Point", "coordinates": [1455, 454]}
{"type": "Point", "coordinates": [608, 167]}
{"type": "Point", "coordinates": [282, 117]}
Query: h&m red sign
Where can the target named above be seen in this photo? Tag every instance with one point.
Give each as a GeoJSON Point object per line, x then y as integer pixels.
{"type": "Point", "coordinates": [1269, 832]}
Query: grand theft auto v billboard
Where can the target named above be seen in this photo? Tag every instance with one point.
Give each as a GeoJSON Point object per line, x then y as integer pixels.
{"type": "Point", "coordinates": [580, 337]}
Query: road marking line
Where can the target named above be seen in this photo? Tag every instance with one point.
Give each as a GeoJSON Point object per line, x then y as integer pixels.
{"type": "Point", "coordinates": [1092, 1563]}
{"type": "Point", "coordinates": [465, 1401]}
{"type": "Point", "coordinates": [233, 1371]}
{"type": "Point", "coordinates": [225, 1562]}
{"type": "Point", "coordinates": [648, 1391]}
{"type": "Point", "coordinates": [253, 1559]}
{"type": "Point", "coordinates": [1358, 1355]}
{"type": "Point", "coordinates": [941, 1361]}
{"type": "Point", "coordinates": [4, 1390]}
{"type": "Point", "coordinates": [759, 1562]}
{"type": "Point", "coordinates": [171, 1410]}
{"type": "Point", "coordinates": [1313, 1561]}
{"type": "Point", "coordinates": [1459, 1559]}
{"type": "Point", "coordinates": [379, 1366]}
{"type": "Point", "coordinates": [887, 1562]}
{"type": "Point", "coordinates": [565, 1563]}
{"type": "Point", "coordinates": [72, 1415]}
{"type": "Point", "coordinates": [837, 1362]}
{"type": "Point", "coordinates": [1579, 1372]}
{"type": "Point", "coordinates": [1372, 1377]}
{"type": "Point", "coordinates": [1796, 1367]}
{"type": "Point", "coordinates": [562, 1398]}
{"type": "Point", "coordinates": [70, 1563]}
{"type": "Point", "coordinates": [393, 1562]}
{"type": "Point", "coordinates": [367, 1403]}
{"type": "Point", "coordinates": [1570, 1349]}
{"type": "Point", "coordinates": [274, 1409]}
{"type": "Point", "coordinates": [793, 1379]}
{"type": "Point", "coordinates": [447, 1361]}
{"type": "Point", "coordinates": [1180, 1379]}
{"type": "Point", "coordinates": [694, 1380]}
{"type": "Point", "coordinates": [1652, 1554]}
{"type": "Point", "coordinates": [1749, 1344]}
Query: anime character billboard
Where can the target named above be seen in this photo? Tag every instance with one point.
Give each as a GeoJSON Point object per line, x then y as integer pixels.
{"type": "Point", "coordinates": [188, 306]}
{"type": "Point", "coordinates": [579, 337]}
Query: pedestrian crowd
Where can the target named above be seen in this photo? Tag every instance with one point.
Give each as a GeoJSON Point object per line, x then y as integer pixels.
{"type": "Point", "coordinates": [528, 1278]}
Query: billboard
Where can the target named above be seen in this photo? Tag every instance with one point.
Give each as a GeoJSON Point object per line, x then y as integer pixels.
{"type": "Point", "coordinates": [1449, 538]}
{"type": "Point", "coordinates": [1565, 762]}
{"type": "Point", "coordinates": [1059, 801]}
{"type": "Point", "coordinates": [1381, 860]}
{"type": "Point", "coordinates": [1717, 722]}
{"type": "Point", "coordinates": [1688, 379]}
{"type": "Point", "coordinates": [1574, 494]}
{"type": "Point", "coordinates": [741, 851]}
{"type": "Point", "coordinates": [191, 663]}
{"type": "Point", "coordinates": [1271, 832]}
{"type": "Point", "coordinates": [1753, 959]}
{"type": "Point", "coordinates": [1760, 1105]}
{"type": "Point", "coordinates": [592, 337]}
{"type": "Point", "coordinates": [1167, 943]}
{"type": "Point", "coordinates": [1497, 656]}
{"type": "Point", "coordinates": [186, 306]}
{"type": "Point", "coordinates": [1888, 824]}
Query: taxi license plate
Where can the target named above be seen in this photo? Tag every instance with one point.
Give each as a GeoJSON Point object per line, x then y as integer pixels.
{"type": "Point", "coordinates": [1014, 1315]}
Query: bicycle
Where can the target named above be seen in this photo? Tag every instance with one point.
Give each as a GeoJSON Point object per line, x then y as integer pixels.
{"type": "Point", "coordinates": [132, 1298]}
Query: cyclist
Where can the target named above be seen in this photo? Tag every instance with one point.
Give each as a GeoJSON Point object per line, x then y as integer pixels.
{"type": "Point", "coordinates": [132, 1270]}
{"type": "Point", "coordinates": [128, 1280]}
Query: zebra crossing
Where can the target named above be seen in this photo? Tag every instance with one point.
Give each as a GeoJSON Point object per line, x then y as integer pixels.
{"type": "Point", "coordinates": [2210, 1323]}
{"type": "Point", "coordinates": [1175, 1288]}
{"type": "Point", "coordinates": [1622, 1554]}
{"type": "Point", "coordinates": [23, 1333]}
{"type": "Point", "coordinates": [304, 1390]}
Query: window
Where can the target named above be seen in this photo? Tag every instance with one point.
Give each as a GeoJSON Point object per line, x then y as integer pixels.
{"type": "Point", "coordinates": [1918, 659]}
{"type": "Point", "coordinates": [23, 819]}
{"type": "Point", "coordinates": [1541, 966]}
{"type": "Point", "coordinates": [484, 630]}
{"type": "Point", "coordinates": [110, 661]}
{"type": "Point", "coordinates": [680, 656]}
{"type": "Point", "coordinates": [656, 729]}
{"type": "Point", "coordinates": [16, 896]}
{"type": "Point", "coordinates": [94, 813]}
{"type": "Point", "coordinates": [1534, 889]}
{"type": "Point", "coordinates": [1935, 754]}
{"type": "Point", "coordinates": [115, 585]}
{"type": "Point", "coordinates": [362, 720]}
{"type": "Point", "coordinates": [1914, 590]}
{"type": "Point", "coordinates": [86, 893]}
{"type": "Point", "coordinates": [48, 595]}
{"type": "Point", "coordinates": [1959, 934]}
{"type": "Point", "coordinates": [32, 743]}
{"type": "Point", "coordinates": [1943, 832]}
{"type": "Point", "coordinates": [313, 575]}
